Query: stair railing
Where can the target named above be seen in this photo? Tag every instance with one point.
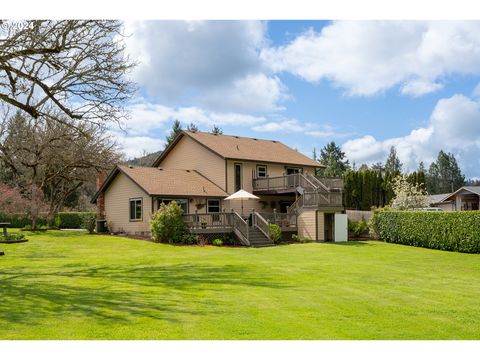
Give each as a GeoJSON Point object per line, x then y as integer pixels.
{"type": "Point", "coordinates": [240, 228]}
{"type": "Point", "coordinates": [261, 224]}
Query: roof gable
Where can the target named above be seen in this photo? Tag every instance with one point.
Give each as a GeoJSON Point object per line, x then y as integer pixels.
{"type": "Point", "coordinates": [243, 148]}
{"type": "Point", "coordinates": [168, 182]}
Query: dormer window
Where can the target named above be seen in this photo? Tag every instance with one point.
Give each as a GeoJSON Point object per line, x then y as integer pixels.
{"type": "Point", "coordinates": [261, 171]}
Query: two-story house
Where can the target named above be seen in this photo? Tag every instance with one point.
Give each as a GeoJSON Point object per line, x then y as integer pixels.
{"type": "Point", "coordinates": [199, 170]}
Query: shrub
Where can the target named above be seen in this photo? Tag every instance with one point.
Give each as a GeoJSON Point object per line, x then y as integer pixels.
{"type": "Point", "coordinates": [21, 220]}
{"type": "Point", "coordinates": [217, 242]}
{"type": "Point", "coordinates": [13, 237]}
{"type": "Point", "coordinates": [70, 220]}
{"type": "Point", "coordinates": [275, 232]}
{"type": "Point", "coordinates": [89, 221]}
{"type": "Point", "coordinates": [189, 239]}
{"type": "Point", "coordinates": [357, 228]}
{"type": "Point", "coordinates": [167, 224]}
{"type": "Point", "coordinates": [449, 230]}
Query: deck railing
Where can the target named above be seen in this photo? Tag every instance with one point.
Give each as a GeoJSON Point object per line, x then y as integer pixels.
{"type": "Point", "coordinates": [307, 182]}
{"type": "Point", "coordinates": [282, 183]}
{"type": "Point", "coordinates": [284, 220]}
{"type": "Point", "coordinates": [212, 220]}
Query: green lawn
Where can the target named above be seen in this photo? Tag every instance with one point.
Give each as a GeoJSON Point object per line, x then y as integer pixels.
{"type": "Point", "coordinates": [70, 285]}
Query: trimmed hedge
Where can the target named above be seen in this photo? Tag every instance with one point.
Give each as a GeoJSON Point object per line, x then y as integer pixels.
{"type": "Point", "coordinates": [71, 220]}
{"type": "Point", "coordinates": [442, 230]}
{"type": "Point", "coordinates": [22, 220]}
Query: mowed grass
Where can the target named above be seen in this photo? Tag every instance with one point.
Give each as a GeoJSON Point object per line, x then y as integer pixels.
{"type": "Point", "coordinates": [70, 285]}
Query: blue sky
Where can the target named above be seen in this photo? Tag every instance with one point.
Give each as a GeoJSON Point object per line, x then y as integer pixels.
{"type": "Point", "coordinates": [367, 85]}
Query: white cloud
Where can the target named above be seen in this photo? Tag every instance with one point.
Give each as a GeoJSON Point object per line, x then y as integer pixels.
{"type": "Point", "coordinates": [254, 92]}
{"type": "Point", "coordinates": [287, 125]}
{"type": "Point", "coordinates": [146, 117]}
{"type": "Point", "coordinates": [369, 57]}
{"type": "Point", "coordinates": [454, 126]}
{"type": "Point", "coordinates": [213, 64]}
{"type": "Point", "coordinates": [135, 146]}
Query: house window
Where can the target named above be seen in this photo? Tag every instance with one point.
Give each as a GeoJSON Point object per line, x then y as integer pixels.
{"type": "Point", "coordinates": [238, 177]}
{"type": "Point", "coordinates": [182, 202]}
{"type": "Point", "coordinates": [261, 171]}
{"type": "Point", "coordinates": [135, 209]}
{"type": "Point", "coordinates": [213, 206]}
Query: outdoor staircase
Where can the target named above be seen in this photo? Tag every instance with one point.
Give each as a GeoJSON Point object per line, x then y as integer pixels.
{"type": "Point", "coordinates": [258, 238]}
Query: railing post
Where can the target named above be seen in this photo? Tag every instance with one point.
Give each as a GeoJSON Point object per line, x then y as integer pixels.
{"type": "Point", "coordinates": [275, 215]}
{"type": "Point", "coordinates": [196, 219]}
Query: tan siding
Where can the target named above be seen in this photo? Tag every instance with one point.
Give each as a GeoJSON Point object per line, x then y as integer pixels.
{"type": "Point", "coordinates": [117, 205]}
{"type": "Point", "coordinates": [188, 154]}
{"type": "Point", "coordinates": [320, 226]}
{"type": "Point", "coordinates": [306, 223]}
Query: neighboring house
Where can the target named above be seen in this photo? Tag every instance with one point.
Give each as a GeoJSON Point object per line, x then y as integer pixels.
{"type": "Point", "coordinates": [199, 170]}
{"type": "Point", "coordinates": [436, 201]}
{"type": "Point", "coordinates": [465, 198]}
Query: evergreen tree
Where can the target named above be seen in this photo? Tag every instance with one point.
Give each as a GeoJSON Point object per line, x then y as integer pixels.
{"type": "Point", "coordinates": [314, 155]}
{"type": "Point", "coordinates": [444, 175]}
{"type": "Point", "coordinates": [378, 166]}
{"type": "Point", "coordinates": [176, 129]}
{"type": "Point", "coordinates": [216, 130]}
{"type": "Point", "coordinates": [334, 160]}
{"type": "Point", "coordinates": [192, 128]}
{"type": "Point", "coordinates": [393, 163]}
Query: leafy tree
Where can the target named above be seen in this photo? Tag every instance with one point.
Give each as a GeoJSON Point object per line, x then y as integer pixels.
{"type": "Point", "coordinates": [408, 196]}
{"type": "Point", "coordinates": [52, 159]}
{"type": "Point", "coordinates": [216, 130]}
{"type": "Point", "coordinates": [333, 158]}
{"type": "Point", "coordinates": [176, 129]}
{"type": "Point", "coordinates": [393, 163]}
{"type": "Point", "coordinates": [192, 127]}
{"type": "Point", "coordinates": [75, 68]}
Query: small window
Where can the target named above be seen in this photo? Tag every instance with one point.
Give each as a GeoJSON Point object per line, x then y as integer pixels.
{"type": "Point", "coordinates": [135, 209]}
{"type": "Point", "coordinates": [238, 177]}
{"type": "Point", "coordinates": [261, 171]}
{"type": "Point", "coordinates": [213, 206]}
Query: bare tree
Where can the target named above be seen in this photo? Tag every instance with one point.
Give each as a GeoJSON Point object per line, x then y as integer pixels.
{"type": "Point", "coordinates": [77, 68]}
{"type": "Point", "coordinates": [53, 158]}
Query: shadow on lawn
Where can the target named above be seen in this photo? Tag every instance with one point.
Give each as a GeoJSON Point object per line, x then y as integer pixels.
{"type": "Point", "coordinates": [111, 293]}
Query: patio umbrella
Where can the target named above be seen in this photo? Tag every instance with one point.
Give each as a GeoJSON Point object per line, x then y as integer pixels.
{"type": "Point", "coordinates": [241, 195]}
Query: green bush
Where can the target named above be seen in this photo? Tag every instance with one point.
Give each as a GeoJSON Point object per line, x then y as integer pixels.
{"type": "Point", "coordinates": [357, 228]}
{"type": "Point", "coordinates": [22, 220]}
{"type": "Point", "coordinates": [449, 230]}
{"type": "Point", "coordinates": [13, 237]}
{"type": "Point", "coordinates": [89, 221]}
{"type": "Point", "coordinates": [217, 242]}
{"type": "Point", "coordinates": [275, 232]}
{"type": "Point", "coordinates": [71, 220]}
{"type": "Point", "coordinates": [167, 224]}
{"type": "Point", "coordinates": [189, 239]}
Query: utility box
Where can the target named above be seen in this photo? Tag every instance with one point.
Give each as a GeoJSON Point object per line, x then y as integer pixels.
{"type": "Point", "coordinates": [341, 227]}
